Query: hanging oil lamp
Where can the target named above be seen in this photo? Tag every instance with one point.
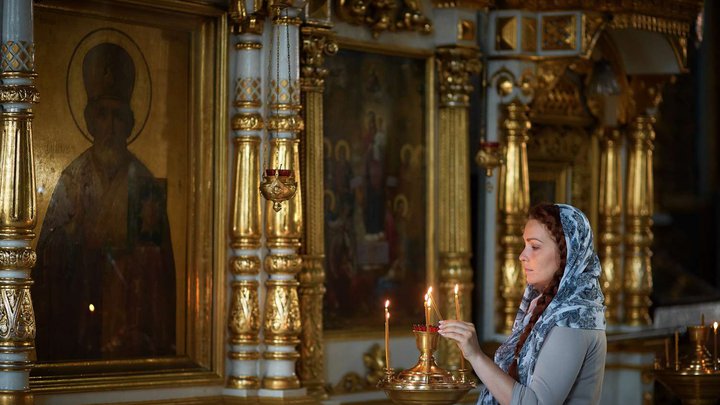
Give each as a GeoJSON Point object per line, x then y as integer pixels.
{"type": "Point", "coordinates": [278, 185]}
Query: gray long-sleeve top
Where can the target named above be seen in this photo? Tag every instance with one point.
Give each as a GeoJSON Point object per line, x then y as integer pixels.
{"type": "Point", "coordinates": [569, 369]}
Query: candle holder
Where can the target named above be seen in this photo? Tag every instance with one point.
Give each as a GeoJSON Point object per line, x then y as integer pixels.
{"type": "Point", "coordinates": [278, 185]}
{"type": "Point", "coordinates": [489, 156]}
{"type": "Point", "coordinates": [695, 381]}
{"type": "Point", "coordinates": [426, 382]}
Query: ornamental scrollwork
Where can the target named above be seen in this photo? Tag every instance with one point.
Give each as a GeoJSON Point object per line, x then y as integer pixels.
{"type": "Point", "coordinates": [17, 320]}
{"type": "Point", "coordinates": [385, 15]}
{"type": "Point", "coordinates": [19, 94]}
{"type": "Point", "coordinates": [282, 315]}
{"type": "Point", "coordinates": [23, 258]}
{"type": "Point", "coordinates": [456, 66]}
{"type": "Point", "coordinates": [244, 313]}
{"type": "Point", "coordinates": [317, 43]}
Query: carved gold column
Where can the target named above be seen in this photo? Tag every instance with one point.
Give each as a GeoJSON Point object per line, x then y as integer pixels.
{"type": "Point", "coordinates": [317, 42]}
{"type": "Point", "coordinates": [245, 208]}
{"type": "Point", "coordinates": [610, 222]}
{"type": "Point", "coordinates": [513, 204]}
{"type": "Point", "coordinates": [283, 228]}
{"type": "Point", "coordinates": [637, 282]}
{"type": "Point", "coordinates": [456, 65]}
{"type": "Point", "coordinates": [17, 202]}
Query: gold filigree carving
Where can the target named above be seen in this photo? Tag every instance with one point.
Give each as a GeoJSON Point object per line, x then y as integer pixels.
{"type": "Point", "coordinates": [285, 123]}
{"type": "Point", "coordinates": [248, 46]}
{"type": "Point", "coordinates": [684, 10]}
{"type": "Point", "coordinates": [558, 95]}
{"type": "Point", "coordinates": [17, 320]}
{"type": "Point", "coordinates": [558, 32]}
{"type": "Point", "coordinates": [283, 264]}
{"type": "Point", "coordinates": [456, 65]}
{"type": "Point", "coordinates": [247, 122]}
{"type": "Point", "coordinates": [282, 312]}
{"type": "Point", "coordinates": [317, 43]}
{"type": "Point", "coordinates": [669, 25]}
{"type": "Point", "coordinates": [244, 324]}
{"type": "Point", "coordinates": [286, 20]}
{"type": "Point", "coordinates": [384, 15]}
{"type": "Point", "coordinates": [463, 4]}
{"type": "Point", "coordinates": [506, 33]}
{"type": "Point", "coordinates": [245, 265]}
{"type": "Point", "coordinates": [19, 94]}
{"type": "Point", "coordinates": [17, 258]}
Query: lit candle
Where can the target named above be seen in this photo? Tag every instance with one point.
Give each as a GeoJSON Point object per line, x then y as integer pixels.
{"type": "Point", "coordinates": [434, 305]}
{"type": "Point", "coordinates": [715, 357]}
{"type": "Point", "coordinates": [677, 350]}
{"type": "Point", "coordinates": [457, 316]}
{"type": "Point", "coordinates": [387, 334]}
{"type": "Point", "coordinates": [427, 313]}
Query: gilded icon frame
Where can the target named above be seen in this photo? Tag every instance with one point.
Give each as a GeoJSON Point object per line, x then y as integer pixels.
{"type": "Point", "coordinates": [370, 323]}
{"type": "Point", "coordinates": [200, 242]}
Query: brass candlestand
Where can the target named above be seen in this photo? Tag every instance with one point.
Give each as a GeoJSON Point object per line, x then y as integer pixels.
{"type": "Point", "coordinates": [426, 383]}
{"type": "Point", "coordinates": [694, 377]}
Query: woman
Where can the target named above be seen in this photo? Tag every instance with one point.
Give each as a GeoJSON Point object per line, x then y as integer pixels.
{"type": "Point", "coordinates": [556, 351]}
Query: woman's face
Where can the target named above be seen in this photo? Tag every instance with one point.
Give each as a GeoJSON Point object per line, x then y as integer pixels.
{"type": "Point", "coordinates": [540, 258]}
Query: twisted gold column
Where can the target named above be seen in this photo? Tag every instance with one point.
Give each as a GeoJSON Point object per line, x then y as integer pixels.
{"type": "Point", "coordinates": [456, 65]}
{"type": "Point", "coordinates": [17, 202]}
{"type": "Point", "coordinates": [610, 220]}
{"type": "Point", "coordinates": [513, 204]}
{"type": "Point", "coordinates": [637, 282]}
{"type": "Point", "coordinates": [317, 42]}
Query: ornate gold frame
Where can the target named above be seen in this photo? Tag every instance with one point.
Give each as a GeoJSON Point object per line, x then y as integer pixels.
{"type": "Point", "coordinates": [205, 28]}
{"type": "Point", "coordinates": [430, 138]}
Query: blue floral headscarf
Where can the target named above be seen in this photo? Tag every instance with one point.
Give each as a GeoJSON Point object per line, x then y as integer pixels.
{"type": "Point", "coordinates": [577, 304]}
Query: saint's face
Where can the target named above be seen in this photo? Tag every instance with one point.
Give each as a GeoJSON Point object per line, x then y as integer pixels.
{"type": "Point", "coordinates": [109, 122]}
{"type": "Point", "coordinates": [540, 258]}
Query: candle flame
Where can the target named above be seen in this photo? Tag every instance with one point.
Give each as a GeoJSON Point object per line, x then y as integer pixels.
{"type": "Point", "coordinates": [387, 315]}
{"type": "Point", "coordinates": [715, 325]}
{"type": "Point", "coordinates": [429, 302]}
{"type": "Point", "coordinates": [387, 304]}
{"type": "Point", "coordinates": [456, 289]}
{"type": "Point", "coordinates": [430, 290]}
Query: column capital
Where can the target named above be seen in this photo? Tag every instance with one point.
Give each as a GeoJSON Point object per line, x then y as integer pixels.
{"type": "Point", "coordinates": [317, 43]}
{"type": "Point", "coordinates": [456, 65]}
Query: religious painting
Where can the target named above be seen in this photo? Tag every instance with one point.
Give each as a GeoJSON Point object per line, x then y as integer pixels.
{"type": "Point", "coordinates": [376, 188]}
{"type": "Point", "coordinates": [119, 136]}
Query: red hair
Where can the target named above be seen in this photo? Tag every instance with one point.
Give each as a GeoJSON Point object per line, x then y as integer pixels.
{"type": "Point", "coordinates": [549, 216]}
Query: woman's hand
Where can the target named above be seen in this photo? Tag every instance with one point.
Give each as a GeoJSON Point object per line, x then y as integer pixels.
{"type": "Point", "coordinates": [464, 334]}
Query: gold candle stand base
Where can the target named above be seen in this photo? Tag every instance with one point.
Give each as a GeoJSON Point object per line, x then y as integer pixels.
{"type": "Point", "coordinates": [426, 382]}
{"type": "Point", "coordinates": [696, 380]}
